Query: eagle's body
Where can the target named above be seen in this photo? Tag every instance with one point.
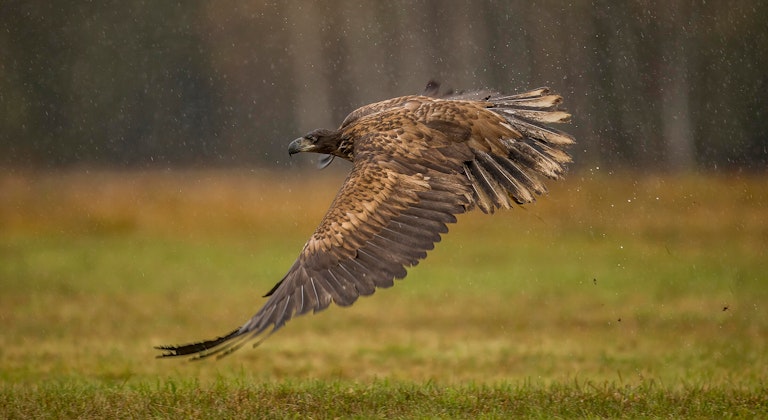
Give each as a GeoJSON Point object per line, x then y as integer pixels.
{"type": "Point", "coordinates": [417, 162]}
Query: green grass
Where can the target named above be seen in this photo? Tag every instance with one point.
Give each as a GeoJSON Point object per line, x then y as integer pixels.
{"type": "Point", "coordinates": [241, 397]}
{"type": "Point", "coordinates": [614, 296]}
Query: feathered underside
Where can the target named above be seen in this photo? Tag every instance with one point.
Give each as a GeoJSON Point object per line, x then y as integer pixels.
{"type": "Point", "coordinates": [418, 161]}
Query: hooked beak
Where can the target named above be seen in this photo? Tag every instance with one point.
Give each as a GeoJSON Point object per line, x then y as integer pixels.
{"type": "Point", "coordinates": [301, 144]}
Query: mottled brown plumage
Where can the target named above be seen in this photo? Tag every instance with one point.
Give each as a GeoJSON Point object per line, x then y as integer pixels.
{"type": "Point", "coordinates": [418, 161]}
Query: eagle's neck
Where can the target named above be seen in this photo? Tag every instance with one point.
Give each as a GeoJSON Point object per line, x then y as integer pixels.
{"type": "Point", "coordinates": [345, 149]}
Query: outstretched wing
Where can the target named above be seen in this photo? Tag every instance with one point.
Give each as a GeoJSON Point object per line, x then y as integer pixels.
{"type": "Point", "coordinates": [417, 164]}
{"type": "Point", "coordinates": [387, 215]}
{"type": "Point", "coordinates": [508, 164]}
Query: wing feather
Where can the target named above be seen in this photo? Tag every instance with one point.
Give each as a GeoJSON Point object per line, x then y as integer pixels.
{"type": "Point", "coordinates": [522, 174]}
{"type": "Point", "coordinates": [344, 292]}
{"type": "Point", "coordinates": [421, 242]}
{"type": "Point", "coordinates": [495, 193]}
{"type": "Point", "coordinates": [546, 134]}
{"type": "Point", "coordinates": [510, 183]}
{"type": "Point", "coordinates": [363, 275]}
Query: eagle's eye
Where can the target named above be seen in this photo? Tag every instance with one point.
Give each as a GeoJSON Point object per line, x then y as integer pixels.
{"type": "Point", "coordinates": [311, 137]}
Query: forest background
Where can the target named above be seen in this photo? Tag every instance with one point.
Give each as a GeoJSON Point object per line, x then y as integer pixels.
{"type": "Point", "coordinates": [672, 85]}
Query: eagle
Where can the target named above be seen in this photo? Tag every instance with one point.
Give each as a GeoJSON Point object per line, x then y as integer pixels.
{"type": "Point", "coordinates": [417, 162]}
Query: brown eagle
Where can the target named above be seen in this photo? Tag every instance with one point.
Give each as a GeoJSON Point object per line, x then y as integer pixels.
{"type": "Point", "coordinates": [418, 161]}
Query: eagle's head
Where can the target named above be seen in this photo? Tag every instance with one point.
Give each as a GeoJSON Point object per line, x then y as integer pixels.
{"type": "Point", "coordinates": [323, 141]}
{"type": "Point", "coordinates": [318, 141]}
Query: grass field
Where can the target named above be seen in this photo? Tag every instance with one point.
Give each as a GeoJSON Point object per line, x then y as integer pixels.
{"type": "Point", "coordinates": [616, 295]}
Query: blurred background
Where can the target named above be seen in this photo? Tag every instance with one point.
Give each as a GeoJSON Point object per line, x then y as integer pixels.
{"type": "Point", "coordinates": [146, 195]}
{"type": "Point", "coordinates": [653, 85]}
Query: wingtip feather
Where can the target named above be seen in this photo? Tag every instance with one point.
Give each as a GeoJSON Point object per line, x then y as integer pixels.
{"type": "Point", "coordinates": [201, 348]}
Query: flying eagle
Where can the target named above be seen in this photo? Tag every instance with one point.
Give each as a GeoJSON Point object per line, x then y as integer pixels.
{"type": "Point", "coordinates": [418, 161]}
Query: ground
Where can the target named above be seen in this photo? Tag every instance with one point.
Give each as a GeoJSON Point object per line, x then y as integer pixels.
{"type": "Point", "coordinates": [616, 294]}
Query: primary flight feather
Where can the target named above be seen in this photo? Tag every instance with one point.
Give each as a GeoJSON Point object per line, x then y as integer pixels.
{"type": "Point", "coordinates": [418, 161]}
